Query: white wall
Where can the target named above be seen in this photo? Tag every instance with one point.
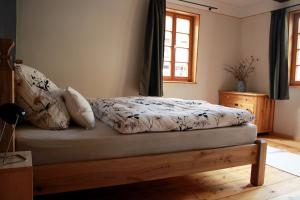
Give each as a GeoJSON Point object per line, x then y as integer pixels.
{"type": "Point", "coordinates": [97, 46]}
{"type": "Point", "coordinates": [287, 115]}
{"type": "Point", "coordinates": [255, 32]}
{"type": "Point", "coordinates": [255, 41]}
{"type": "Point", "coordinates": [94, 46]}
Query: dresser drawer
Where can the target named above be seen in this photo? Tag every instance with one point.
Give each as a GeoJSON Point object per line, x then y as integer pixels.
{"type": "Point", "coordinates": [237, 98]}
{"type": "Point", "coordinates": [246, 106]}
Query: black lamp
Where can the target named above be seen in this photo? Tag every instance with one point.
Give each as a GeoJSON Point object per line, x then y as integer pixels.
{"type": "Point", "coordinates": [11, 114]}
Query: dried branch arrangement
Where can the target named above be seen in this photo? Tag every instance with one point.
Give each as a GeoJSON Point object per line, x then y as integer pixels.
{"type": "Point", "coordinates": [242, 71]}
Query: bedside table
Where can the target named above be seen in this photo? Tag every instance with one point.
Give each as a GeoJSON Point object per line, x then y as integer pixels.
{"type": "Point", "coordinates": [16, 178]}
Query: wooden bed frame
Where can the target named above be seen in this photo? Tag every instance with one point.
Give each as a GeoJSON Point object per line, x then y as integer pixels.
{"type": "Point", "coordinates": [74, 176]}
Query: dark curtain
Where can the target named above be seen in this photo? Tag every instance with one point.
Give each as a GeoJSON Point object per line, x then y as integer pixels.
{"type": "Point", "coordinates": [151, 79]}
{"type": "Point", "coordinates": [8, 20]}
{"type": "Point", "coordinates": [279, 86]}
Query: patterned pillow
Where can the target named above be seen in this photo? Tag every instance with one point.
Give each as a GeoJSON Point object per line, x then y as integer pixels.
{"type": "Point", "coordinates": [40, 98]}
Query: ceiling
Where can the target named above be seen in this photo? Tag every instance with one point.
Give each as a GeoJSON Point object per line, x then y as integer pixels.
{"type": "Point", "coordinates": [239, 8]}
{"type": "Point", "coordinates": [239, 3]}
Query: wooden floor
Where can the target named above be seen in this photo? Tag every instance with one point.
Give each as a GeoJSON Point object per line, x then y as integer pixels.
{"type": "Point", "coordinates": [230, 184]}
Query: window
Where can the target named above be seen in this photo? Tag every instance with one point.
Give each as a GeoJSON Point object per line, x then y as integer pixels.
{"type": "Point", "coordinates": [295, 56]}
{"type": "Point", "coordinates": [181, 36]}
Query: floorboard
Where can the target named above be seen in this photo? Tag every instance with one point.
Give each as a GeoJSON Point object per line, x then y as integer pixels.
{"type": "Point", "coordinates": [226, 184]}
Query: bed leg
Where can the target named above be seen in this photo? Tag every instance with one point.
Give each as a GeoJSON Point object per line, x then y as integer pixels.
{"type": "Point", "coordinates": [258, 169]}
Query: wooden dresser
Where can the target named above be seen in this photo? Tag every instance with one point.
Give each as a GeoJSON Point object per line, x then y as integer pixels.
{"type": "Point", "coordinates": [259, 104]}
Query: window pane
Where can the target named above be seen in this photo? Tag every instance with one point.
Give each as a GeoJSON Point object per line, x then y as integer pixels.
{"type": "Point", "coordinates": [169, 23]}
{"type": "Point", "coordinates": [182, 40]}
{"type": "Point", "coordinates": [181, 70]}
{"type": "Point", "coordinates": [298, 42]}
{"type": "Point", "coordinates": [182, 25]}
{"type": "Point", "coordinates": [167, 56]}
{"type": "Point", "coordinates": [167, 69]}
{"type": "Point", "coordinates": [182, 55]}
{"type": "Point", "coordinates": [168, 38]}
{"type": "Point", "coordinates": [298, 58]}
{"type": "Point", "coordinates": [297, 74]}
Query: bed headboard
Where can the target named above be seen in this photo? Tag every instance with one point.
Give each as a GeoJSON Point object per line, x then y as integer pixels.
{"type": "Point", "coordinates": [7, 84]}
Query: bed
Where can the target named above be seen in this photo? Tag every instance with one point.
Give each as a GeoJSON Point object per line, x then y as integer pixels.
{"type": "Point", "coordinates": [76, 144]}
{"type": "Point", "coordinates": [122, 159]}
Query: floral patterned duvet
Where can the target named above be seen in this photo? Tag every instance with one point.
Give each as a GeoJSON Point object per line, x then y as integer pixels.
{"type": "Point", "coordinates": [154, 114]}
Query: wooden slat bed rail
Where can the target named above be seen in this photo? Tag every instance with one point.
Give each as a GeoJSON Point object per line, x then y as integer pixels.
{"type": "Point", "coordinates": [7, 85]}
{"type": "Point", "coordinates": [93, 174]}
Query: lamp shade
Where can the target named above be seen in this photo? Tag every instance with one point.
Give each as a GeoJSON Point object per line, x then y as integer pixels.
{"type": "Point", "coordinates": [10, 112]}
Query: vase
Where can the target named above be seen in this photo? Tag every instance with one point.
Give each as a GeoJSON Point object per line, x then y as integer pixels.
{"type": "Point", "coordinates": [241, 86]}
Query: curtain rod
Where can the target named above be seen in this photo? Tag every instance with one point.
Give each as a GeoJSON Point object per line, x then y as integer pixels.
{"type": "Point", "coordinates": [199, 4]}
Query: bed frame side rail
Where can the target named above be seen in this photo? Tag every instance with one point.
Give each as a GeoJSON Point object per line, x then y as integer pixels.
{"type": "Point", "coordinates": [94, 174]}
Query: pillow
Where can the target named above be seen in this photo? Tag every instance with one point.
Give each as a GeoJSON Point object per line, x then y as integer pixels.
{"type": "Point", "coordinates": [40, 98]}
{"type": "Point", "coordinates": [79, 108]}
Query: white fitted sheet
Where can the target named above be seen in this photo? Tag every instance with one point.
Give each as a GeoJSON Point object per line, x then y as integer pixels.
{"type": "Point", "coordinates": [103, 142]}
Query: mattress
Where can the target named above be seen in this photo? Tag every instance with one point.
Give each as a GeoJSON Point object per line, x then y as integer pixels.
{"type": "Point", "coordinates": [76, 144]}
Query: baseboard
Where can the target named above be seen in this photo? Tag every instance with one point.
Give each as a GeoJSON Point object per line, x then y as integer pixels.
{"type": "Point", "coordinates": [296, 138]}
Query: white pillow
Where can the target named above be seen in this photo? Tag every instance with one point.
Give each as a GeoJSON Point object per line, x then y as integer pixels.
{"type": "Point", "coordinates": [40, 98]}
{"type": "Point", "coordinates": [79, 108]}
